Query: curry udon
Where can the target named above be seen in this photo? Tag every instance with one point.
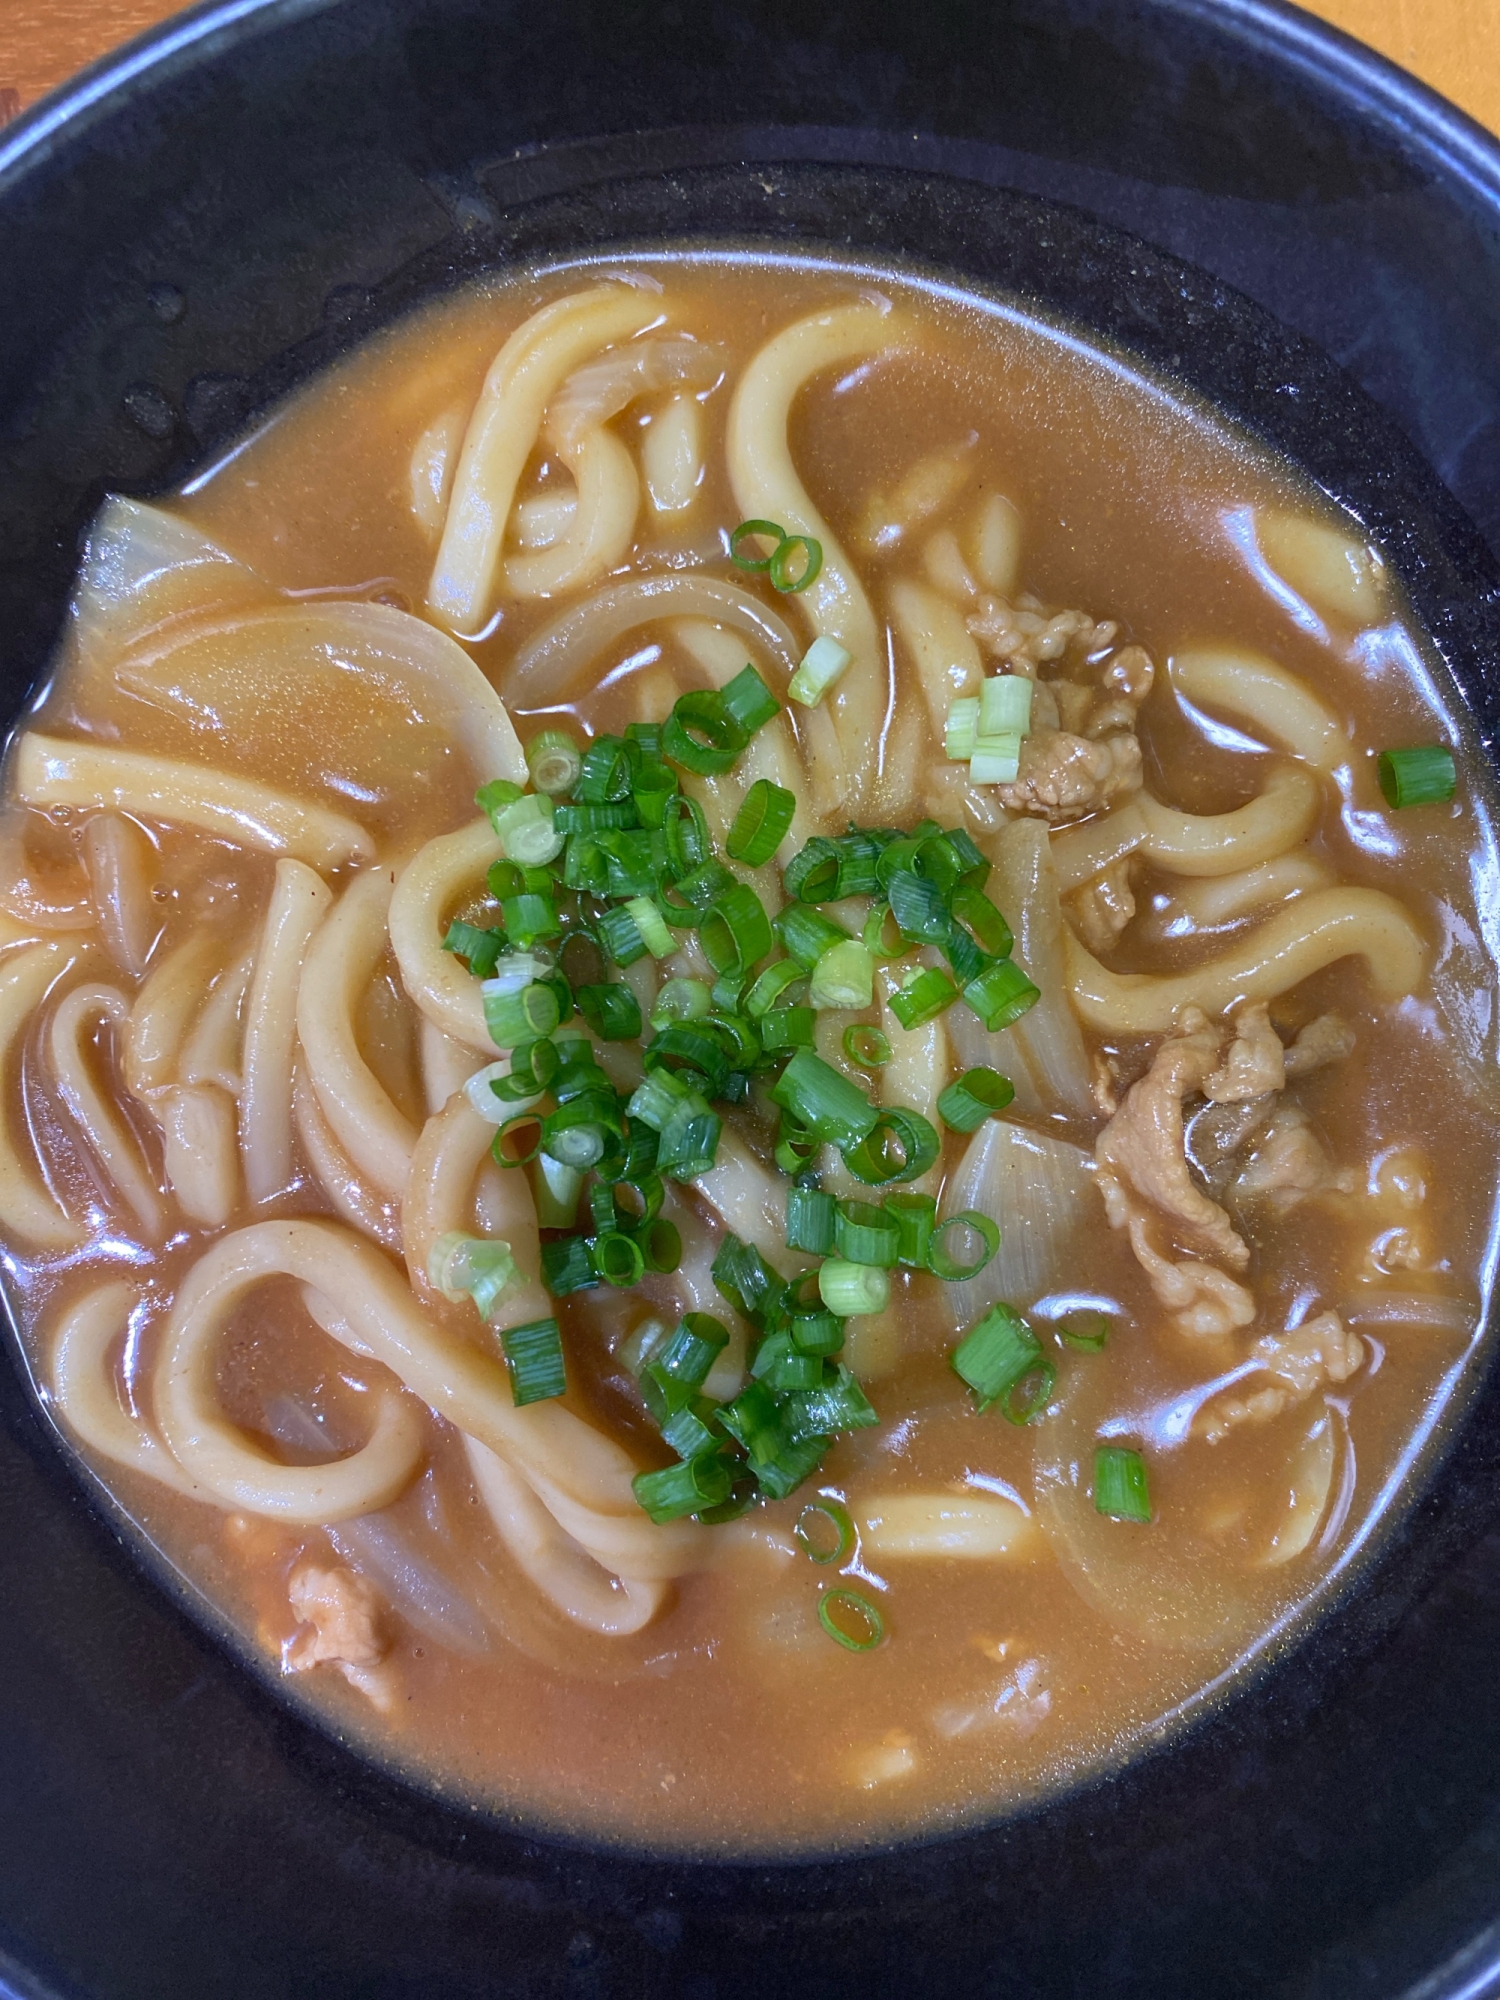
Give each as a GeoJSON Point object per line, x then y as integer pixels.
{"type": "Point", "coordinates": [748, 1046]}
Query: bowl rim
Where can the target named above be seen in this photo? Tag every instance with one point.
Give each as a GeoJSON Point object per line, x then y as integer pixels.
{"type": "Point", "coordinates": [1415, 116]}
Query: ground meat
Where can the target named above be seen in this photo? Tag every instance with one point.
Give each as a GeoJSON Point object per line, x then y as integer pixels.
{"type": "Point", "coordinates": [1255, 1063]}
{"type": "Point", "coordinates": [1320, 1352]}
{"type": "Point", "coordinates": [1102, 908]}
{"type": "Point", "coordinates": [1141, 1155]}
{"type": "Point", "coordinates": [1291, 1164]}
{"type": "Point", "coordinates": [1327, 1040]}
{"type": "Point", "coordinates": [342, 1618]}
{"type": "Point", "coordinates": [1064, 777]}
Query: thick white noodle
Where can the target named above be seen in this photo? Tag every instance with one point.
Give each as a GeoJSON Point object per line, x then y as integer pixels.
{"type": "Point", "coordinates": [562, 1569]}
{"type": "Point", "coordinates": [1193, 843]}
{"type": "Point", "coordinates": [945, 1527]}
{"type": "Point", "coordinates": [299, 900]}
{"type": "Point", "coordinates": [599, 535]}
{"type": "Point", "coordinates": [336, 1174]}
{"type": "Point", "coordinates": [1277, 704]}
{"type": "Point", "coordinates": [199, 1151]}
{"type": "Point", "coordinates": [228, 1465]}
{"type": "Point", "coordinates": [339, 965]}
{"type": "Point", "coordinates": [452, 1178]}
{"type": "Point", "coordinates": [447, 1065]}
{"type": "Point", "coordinates": [430, 474]}
{"type": "Point", "coordinates": [47, 771]}
{"type": "Point", "coordinates": [939, 645]}
{"type": "Point", "coordinates": [672, 455]}
{"type": "Point", "coordinates": [748, 1198]}
{"type": "Point", "coordinates": [85, 1395]}
{"type": "Point", "coordinates": [1209, 901]}
{"type": "Point", "coordinates": [28, 1208]}
{"type": "Point", "coordinates": [1047, 1037]}
{"type": "Point", "coordinates": [768, 487]}
{"type": "Point", "coordinates": [163, 1013]}
{"type": "Point", "coordinates": [117, 1147]}
{"type": "Point", "coordinates": [551, 666]}
{"type": "Point", "coordinates": [1300, 939]}
{"type": "Point", "coordinates": [434, 879]}
{"type": "Point", "coordinates": [212, 1052]}
{"type": "Point", "coordinates": [120, 861]}
{"type": "Point", "coordinates": [502, 433]}
{"type": "Point", "coordinates": [197, 1120]}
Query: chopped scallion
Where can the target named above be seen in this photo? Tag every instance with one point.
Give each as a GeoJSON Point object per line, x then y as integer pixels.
{"type": "Point", "coordinates": [554, 761]}
{"type": "Point", "coordinates": [1120, 1486]}
{"type": "Point", "coordinates": [1005, 705]}
{"type": "Point", "coordinates": [851, 1289]}
{"type": "Point", "coordinates": [824, 1531]}
{"type": "Point", "coordinates": [849, 1617]}
{"type": "Point", "coordinates": [843, 977]}
{"type": "Point", "coordinates": [976, 1095]}
{"type": "Point", "coordinates": [1424, 776]}
{"type": "Point", "coordinates": [534, 1357]}
{"type": "Point", "coordinates": [821, 667]}
{"type": "Point", "coordinates": [941, 1261]}
{"type": "Point", "coordinates": [960, 728]}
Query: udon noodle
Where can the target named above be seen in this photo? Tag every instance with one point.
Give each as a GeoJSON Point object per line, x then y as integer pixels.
{"type": "Point", "coordinates": [565, 1274]}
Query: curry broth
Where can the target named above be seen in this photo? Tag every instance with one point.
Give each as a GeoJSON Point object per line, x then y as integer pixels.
{"type": "Point", "coordinates": [731, 1722]}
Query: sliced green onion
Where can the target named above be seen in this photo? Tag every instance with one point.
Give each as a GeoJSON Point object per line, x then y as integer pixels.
{"type": "Point", "coordinates": [923, 997]}
{"type": "Point", "coordinates": [996, 760]}
{"type": "Point", "coordinates": [595, 816]}
{"type": "Point", "coordinates": [687, 1430]}
{"type": "Point", "coordinates": [1005, 705]}
{"type": "Point", "coordinates": [534, 1359]}
{"type": "Point", "coordinates": [554, 761]}
{"type": "Point", "coordinates": [689, 1140]}
{"type": "Point", "coordinates": [919, 907]}
{"type": "Point", "coordinates": [689, 1488]}
{"type": "Point", "coordinates": [735, 932]}
{"type": "Point", "coordinates": [940, 1260]}
{"type": "Point", "coordinates": [530, 918]}
{"type": "Point", "coordinates": [851, 1289]}
{"type": "Point", "coordinates": [1000, 995]}
{"type": "Point", "coordinates": [619, 1259]}
{"type": "Point", "coordinates": [827, 1103]}
{"type": "Point", "coordinates": [480, 1268]}
{"type": "Point", "coordinates": [849, 1617]}
{"type": "Point", "coordinates": [652, 926]}
{"type": "Point", "coordinates": [661, 1244]}
{"type": "Point", "coordinates": [480, 948]}
{"type": "Point", "coordinates": [685, 831]}
{"type": "Point", "coordinates": [496, 796]}
{"type": "Point", "coordinates": [513, 1017]}
{"type": "Point", "coordinates": [770, 529]}
{"type": "Point", "coordinates": [611, 1010]}
{"type": "Point", "coordinates": [809, 1220]}
{"type": "Point", "coordinates": [820, 1332]}
{"type": "Point", "coordinates": [997, 1354]}
{"type": "Point", "coordinates": [1120, 1487]}
{"type": "Point", "coordinates": [660, 1095]}
{"type": "Point", "coordinates": [866, 1046]}
{"type": "Point", "coordinates": [567, 1266]}
{"type": "Point", "coordinates": [807, 933]}
{"type": "Point", "coordinates": [689, 1047]}
{"type": "Point", "coordinates": [788, 1028]}
{"type": "Point", "coordinates": [795, 562]}
{"type": "Point", "coordinates": [812, 874]}
{"type": "Point", "coordinates": [843, 977]}
{"type": "Point", "coordinates": [900, 1146]}
{"type": "Point", "coordinates": [620, 935]}
{"type": "Point", "coordinates": [865, 1234]}
{"type": "Point", "coordinates": [746, 1279]}
{"type": "Point", "coordinates": [1425, 776]}
{"type": "Point", "coordinates": [813, 1526]}
{"type": "Point", "coordinates": [821, 666]}
{"type": "Point", "coordinates": [748, 702]}
{"type": "Point", "coordinates": [761, 824]}
{"type": "Point", "coordinates": [976, 1095]}
{"type": "Point", "coordinates": [680, 1000]}
{"type": "Point", "coordinates": [916, 1220]}
{"type": "Point", "coordinates": [653, 791]}
{"type": "Point", "coordinates": [510, 1151]}
{"type": "Point", "coordinates": [980, 917]}
{"type": "Point", "coordinates": [771, 984]}
{"type": "Point", "coordinates": [558, 1187]}
{"type": "Point", "coordinates": [695, 1343]}
{"type": "Point", "coordinates": [875, 936]}
{"type": "Point", "coordinates": [837, 1404]}
{"type": "Point", "coordinates": [700, 734]}
{"type": "Point", "coordinates": [527, 831]}
{"type": "Point", "coordinates": [960, 728]}
{"type": "Point", "coordinates": [1087, 1331]}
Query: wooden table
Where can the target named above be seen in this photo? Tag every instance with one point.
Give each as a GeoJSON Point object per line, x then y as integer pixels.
{"type": "Point", "coordinates": [1453, 44]}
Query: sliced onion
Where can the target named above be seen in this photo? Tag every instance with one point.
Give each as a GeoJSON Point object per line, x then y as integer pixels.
{"type": "Point", "coordinates": [1417, 1309]}
{"type": "Point", "coordinates": [1039, 1190]}
{"type": "Point", "coordinates": [549, 666]}
{"type": "Point", "coordinates": [143, 564]}
{"type": "Point", "coordinates": [602, 388]}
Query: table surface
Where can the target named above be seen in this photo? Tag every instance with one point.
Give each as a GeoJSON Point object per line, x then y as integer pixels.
{"type": "Point", "coordinates": [1452, 44]}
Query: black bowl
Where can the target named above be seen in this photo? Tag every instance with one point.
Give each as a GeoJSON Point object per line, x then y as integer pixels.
{"type": "Point", "coordinates": [194, 227]}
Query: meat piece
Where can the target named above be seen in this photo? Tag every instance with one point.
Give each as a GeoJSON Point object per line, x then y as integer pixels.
{"type": "Point", "coordinates": [1318, 1353]}
{"type": "Point", "coordinates": [1219, 1135]}
{"type": "Point", "coordinates": [1290, 1164]}
{"type": "Point", "coordinates": [1129, 673]}
{"type": "Point", "coordinates": [1327, 1040]}
{"type": "Point", "coordinates": [1204, 1301]}
{"type": "Point", "coordinates": [341, 1617]}
{"type": "Point", "coordinates": [1141, 1155]}
{"type": "Point", "coordinates": [1064, 777]}
{"type": "Point", "coordinates": [1024, 637]}
{"type": "Point", "coordinates": [1102, 908]}
{"type": "Point", "coordinates": [1256, 1062]}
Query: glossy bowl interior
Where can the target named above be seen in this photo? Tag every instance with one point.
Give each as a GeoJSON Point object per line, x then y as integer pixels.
{"type": "Point", "coordinates": [195, 230]}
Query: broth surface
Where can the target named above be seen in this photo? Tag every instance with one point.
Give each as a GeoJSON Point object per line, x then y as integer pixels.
{"type": "Point", "coordinates": [1028, 1638]}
